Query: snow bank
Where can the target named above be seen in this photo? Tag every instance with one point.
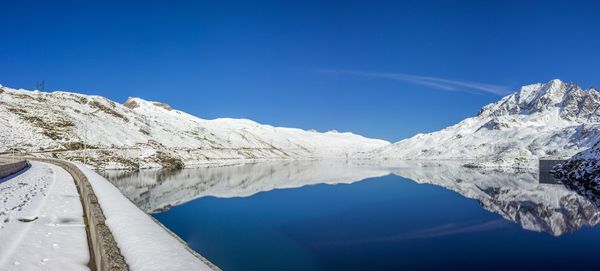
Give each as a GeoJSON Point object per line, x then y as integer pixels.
{"type": "Point", "coordinates": [145, 244]}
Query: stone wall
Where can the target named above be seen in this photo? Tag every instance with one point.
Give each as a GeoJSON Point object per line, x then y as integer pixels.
{"type": "Point", "coordinates": [11, 167]}
{"type": "Point", "coordinates": [104, 252]}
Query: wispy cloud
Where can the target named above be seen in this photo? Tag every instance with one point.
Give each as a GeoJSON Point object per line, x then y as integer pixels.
{"type": "Point", "coordinates": [430, 81]}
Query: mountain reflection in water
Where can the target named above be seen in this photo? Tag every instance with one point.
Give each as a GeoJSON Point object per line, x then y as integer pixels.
{"type": "Point", "coordinates": [516, 195]}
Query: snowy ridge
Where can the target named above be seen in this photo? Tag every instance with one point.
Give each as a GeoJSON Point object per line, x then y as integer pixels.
{"type": "Point", "coordinates": [552, 120]}
{"type": "Point", "coordinates": [142, 133]}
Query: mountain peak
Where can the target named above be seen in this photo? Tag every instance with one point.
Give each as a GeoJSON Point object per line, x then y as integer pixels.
{"type": "Point", "coordinates": [568, 98]}
{"type": "Point", "coordinates": [553, 119]}
{"type": "Point", "coordinates": [532, 95]}
{"type": "Point", "coordinates": [132, 103]}
{"type": "Point", "coordinates": [135, 102]}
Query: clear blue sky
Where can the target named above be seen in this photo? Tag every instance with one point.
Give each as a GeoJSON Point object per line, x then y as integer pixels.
{"type": "Point", "coordinates": [386, 69]}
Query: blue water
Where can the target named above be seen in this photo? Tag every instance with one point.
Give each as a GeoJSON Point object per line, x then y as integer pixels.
{"type": "Point", "coordinates": [381, 223]}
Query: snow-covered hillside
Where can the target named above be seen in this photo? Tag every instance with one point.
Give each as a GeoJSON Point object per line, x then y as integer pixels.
{"type": "Point", "coordinates": [552, 120]}
{"type": "Point", "coordinates": [149, 134]}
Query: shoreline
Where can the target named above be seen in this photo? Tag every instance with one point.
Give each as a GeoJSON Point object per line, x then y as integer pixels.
{"type": "Point", "coordinates": [119, 233]}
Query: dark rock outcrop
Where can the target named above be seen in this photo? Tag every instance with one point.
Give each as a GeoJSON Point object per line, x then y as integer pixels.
{"type": "Point", "coordinates": [582, 173]}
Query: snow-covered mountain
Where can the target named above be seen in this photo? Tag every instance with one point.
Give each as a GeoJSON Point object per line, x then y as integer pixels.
{"type": "Point", "coordinates": [551, 120]}
{"type": "Point", "coordinates": [150, 134]}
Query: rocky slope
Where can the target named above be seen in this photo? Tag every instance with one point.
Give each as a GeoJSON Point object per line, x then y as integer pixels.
{"type": "Point", "coordinates": [552, 120]}
{"type": "Point", "coordinates": [141, 133]}
{"type": "Point", "coordinates": [582, 173]}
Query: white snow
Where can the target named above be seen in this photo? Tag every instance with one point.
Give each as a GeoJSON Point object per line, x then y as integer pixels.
{"type": "Point", "coordinates": [144, 244]}
{"type": "Point", "coordinates": [553, 120]}
{"type": "Point", "coordinates": [55, 239]}
{"type": "Point", "coordinates": [140, 132]}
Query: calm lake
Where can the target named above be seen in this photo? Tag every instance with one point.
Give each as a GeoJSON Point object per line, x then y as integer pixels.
{"type": "Point", "coordinates": [354, 216]}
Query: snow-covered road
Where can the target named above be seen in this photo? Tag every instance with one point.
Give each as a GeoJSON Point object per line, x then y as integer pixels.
{"type": "Point", "coordinates": [41, 221]}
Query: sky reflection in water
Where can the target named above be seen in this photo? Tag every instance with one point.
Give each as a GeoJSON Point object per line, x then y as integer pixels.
{"type": "Point", "coordinates": [391, 217]}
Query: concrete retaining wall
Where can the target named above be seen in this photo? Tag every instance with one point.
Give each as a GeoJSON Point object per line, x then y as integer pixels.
{"type": "Point", "coordinates": [11, 167]}
{"type": "Point", "coordinates": [104, 252]}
